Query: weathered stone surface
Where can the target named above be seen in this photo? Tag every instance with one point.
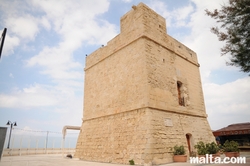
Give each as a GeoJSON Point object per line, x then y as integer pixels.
{"type": "Point", "coordinates": [132, 106]}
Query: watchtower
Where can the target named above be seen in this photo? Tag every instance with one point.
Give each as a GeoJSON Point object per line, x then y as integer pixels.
{"type": "Point", "coordinates": [143, 95]}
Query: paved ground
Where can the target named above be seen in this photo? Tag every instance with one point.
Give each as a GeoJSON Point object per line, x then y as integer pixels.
{"type": "Point", "coordinates": [59, 160]}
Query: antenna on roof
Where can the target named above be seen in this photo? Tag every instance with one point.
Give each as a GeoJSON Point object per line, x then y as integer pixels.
{"type": "Point", "coordinates": [2, 40]}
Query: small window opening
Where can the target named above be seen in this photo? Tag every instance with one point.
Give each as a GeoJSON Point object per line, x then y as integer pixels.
{"type": "Point", "coordinates": [180, 98]}
{"type": "Point", "coordinates": [163, 60]}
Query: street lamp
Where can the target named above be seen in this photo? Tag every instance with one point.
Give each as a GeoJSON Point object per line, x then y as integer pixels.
{"type": "Point", "coordinates": [11, 125]}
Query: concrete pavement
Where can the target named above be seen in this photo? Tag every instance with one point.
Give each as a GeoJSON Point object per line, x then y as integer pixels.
{"type": "Point", "coordinates": [59, 160]}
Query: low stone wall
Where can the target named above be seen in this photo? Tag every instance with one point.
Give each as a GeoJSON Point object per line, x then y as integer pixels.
{"type": "Point", "coordinates": [32, 151]}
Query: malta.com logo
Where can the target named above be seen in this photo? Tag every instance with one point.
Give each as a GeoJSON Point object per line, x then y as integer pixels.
{"type": "Point", "coordinates": [209, 159]}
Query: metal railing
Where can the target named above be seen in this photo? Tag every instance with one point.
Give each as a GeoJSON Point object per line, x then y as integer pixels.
{"type": "Point", "coordinates": [28, 142]}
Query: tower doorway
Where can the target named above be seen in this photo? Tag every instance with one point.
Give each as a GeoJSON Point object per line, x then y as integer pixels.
{"type": "Point", "coordinates": [189, 142]}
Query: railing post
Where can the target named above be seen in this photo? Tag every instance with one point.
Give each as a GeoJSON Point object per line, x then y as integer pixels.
{"type": "Point", "coordinates": [36, 145]}
{"type": "Point", "coordinates": [47, 142]}
{"type": "Point", "coordinates": [21, 141]}
{"type": "Point", "coordinates": [12, 143]}
{"type": "Point", "coordinates": [28, 145]}
{"type": "Point", "coordinates": [44, 147]}
{"type": "Point", "coordinates": [63, 147]}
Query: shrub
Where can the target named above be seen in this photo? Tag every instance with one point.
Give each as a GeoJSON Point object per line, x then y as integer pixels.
{"type": "Point", "coordinates": [212, 148]}
{"type": "Point", "coordinates": [231, 146]}
{"type": "Point", "coordinates": [179, 150]}
{"type": "Point", "coordinates": [131, 162]}
{"type": "Point", "coordinates": [201, 148]}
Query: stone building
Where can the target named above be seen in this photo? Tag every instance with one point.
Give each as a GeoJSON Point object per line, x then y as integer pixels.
{"type": "Point", "coordinates": [142, 96]}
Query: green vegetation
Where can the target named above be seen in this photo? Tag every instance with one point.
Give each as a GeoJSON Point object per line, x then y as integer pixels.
{"type": "Point", "coordinates": [212, 148]}
{"type": "Point", "coordinates": [131, 162]}
{"type": "Point", "coordinates": [234, 21]}
{"type": "Point", "coordinates": [231, 146]}
{"type": "Point", "coordinates": [208, 148]}
{"type": "Point", "coordinates": [179, 150]}
{"type": "Point", "coordinates": [201, 148]}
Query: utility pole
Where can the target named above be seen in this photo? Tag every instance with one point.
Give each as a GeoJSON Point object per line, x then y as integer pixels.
{"type": "Point", "coordinates": [2, 40]}
{"type": "Point", "coordinates": [11, 125]}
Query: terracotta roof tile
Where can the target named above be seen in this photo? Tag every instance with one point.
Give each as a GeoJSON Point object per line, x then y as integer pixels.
{"type": "Point", "coordinates": [234, 129]}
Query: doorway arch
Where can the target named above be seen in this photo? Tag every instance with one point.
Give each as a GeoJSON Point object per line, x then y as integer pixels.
{"type": "Point", "coordinates": [189, 138]}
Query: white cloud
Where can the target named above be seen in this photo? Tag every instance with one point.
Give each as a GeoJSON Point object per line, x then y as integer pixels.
{"type": "Point", "coordinates": [60, 102]}
{"type": "Point", "coordinates": [45, 23]}
{"type": "Point", "coordinates": [11, 75]}
{"type": "Point", "coordinates": [175, 18]}
{"type": "Point", "coordinates": [10, 43]}
{"type": "Point", "coordinates": [21, 26]}
{"type": "Point", "coordinates": [127, 1]}
{"type": "Point", "coordinates": [58, 63]}
{"type": "Point", "coordinates": [180, 16]}
{"type": "Point", "coordinates": [26, 130]}
{"type": "Point", "coordinates": [76, 24]}
{"type": "Point", "coordinates": [33, 96]}
{"type": "Point", "coordinates": [161, 8]}
{"type": "Point", "coordinates": [229, 102]}
{"type": "Point", "coordinates": [203, 41]}
{"type": "Point", "coordinates": [24, 27]}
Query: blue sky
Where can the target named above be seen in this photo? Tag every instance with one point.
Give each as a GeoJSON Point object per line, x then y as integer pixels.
{"type": "Point", "coordinates": [41, 68]}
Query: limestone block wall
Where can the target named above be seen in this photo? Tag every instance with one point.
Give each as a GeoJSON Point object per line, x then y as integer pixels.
{"type": "Point", "coordinates": [169, 129]}
{"type": "Point", "coordinates": [116, 138]}
{"type": "Point", "coordinates": [141, 135]}
{"type": "Point", "coordinates": [164, 68]}
{"type": "Point", "coordinates": [117, 83]}
{"type": "Point", "coordinates": [151, 71]}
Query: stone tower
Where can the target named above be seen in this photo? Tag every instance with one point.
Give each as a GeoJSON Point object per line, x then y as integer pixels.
{"type": "Point", "coordinates": [142, 96]}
